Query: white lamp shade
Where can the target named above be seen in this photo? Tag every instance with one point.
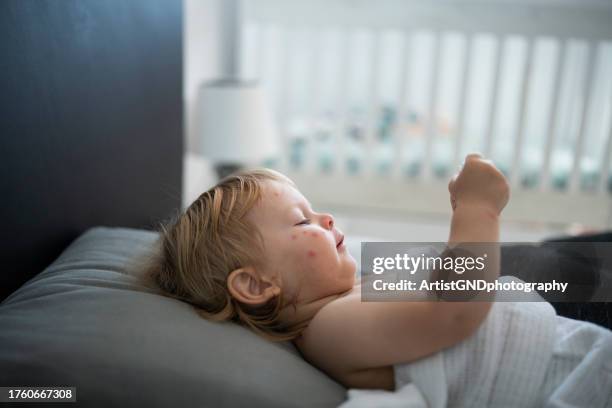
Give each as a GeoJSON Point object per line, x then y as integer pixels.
{"type": "Point", "coordinates": [234, 123]}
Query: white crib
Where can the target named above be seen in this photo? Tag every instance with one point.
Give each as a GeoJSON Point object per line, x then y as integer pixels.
{"type": "Point", "coordinates": [382, 99]}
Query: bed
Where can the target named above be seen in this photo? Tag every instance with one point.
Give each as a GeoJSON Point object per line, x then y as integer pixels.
{"type": "Point", "coordinates": [120, 343]}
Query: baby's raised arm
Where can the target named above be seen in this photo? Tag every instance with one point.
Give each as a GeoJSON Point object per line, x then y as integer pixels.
{"type": "Point", "coordinates": [348, 336]}
{"type": "Point", "coordinates": [478, 194]}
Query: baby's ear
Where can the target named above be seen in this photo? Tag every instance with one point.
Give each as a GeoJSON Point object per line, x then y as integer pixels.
{"type": "Point", "coordinates": [247, 286]}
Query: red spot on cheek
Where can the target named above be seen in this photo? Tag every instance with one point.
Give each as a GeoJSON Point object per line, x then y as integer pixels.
{"type": "Point", "coordinates": [276, 194]}
{"type": "Point", "coordinates": [304, 232]}
{"type": "Point", "coordinates": [314, 234]}
{"type": "Point", "coordinates": [293, 236]}
{"type": "Point", "coordinates": [311, 253]}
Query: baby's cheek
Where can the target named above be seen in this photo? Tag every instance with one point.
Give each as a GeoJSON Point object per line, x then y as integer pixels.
{"type": "Point", "coordinates": [314, 245]}
{"type": "Point", "coordinates": [311, 253]}
{"type": "Point", "coordinates": [315, 249]}
{"type": "Point", "coordinates": [310, 247]}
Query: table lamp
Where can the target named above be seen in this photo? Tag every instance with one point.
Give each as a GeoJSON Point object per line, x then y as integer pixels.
{"type": "Point", "coordinates": [234, 124]}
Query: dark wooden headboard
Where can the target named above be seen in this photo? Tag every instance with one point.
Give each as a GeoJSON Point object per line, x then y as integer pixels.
{"type": "Point", "coordinates": [91, 123]}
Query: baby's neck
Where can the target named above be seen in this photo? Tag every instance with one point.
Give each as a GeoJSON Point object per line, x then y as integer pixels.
{"type": "Point", "coordinates": [303, 313]}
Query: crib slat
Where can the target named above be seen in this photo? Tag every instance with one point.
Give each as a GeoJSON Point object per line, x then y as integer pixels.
{"type": "Point", "coordinates": [373, 108]}
{"type": "Point", "coordinates": [515, 172]}
{"type": "Point", "coordinates": [430, 133]}
{"type": "Point", "coordinates": [284, 99]}
{"type": "Point", "coordinates": [312, 82]}
{"type": "Point", "coordinates": [549, 147]}
{"type": "Point", "coordinates": [499, 54]}
{"type": "Point", "coordinates": [341, 129]}
{"type": "Point", "coordinates": [589, 74]}
{"type": "Point", "coordinates": [399, 137]}
{"type": "Point", "coordinates": [462, 103]}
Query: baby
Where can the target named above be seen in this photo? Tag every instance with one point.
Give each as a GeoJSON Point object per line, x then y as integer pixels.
{"type": "Point", "coordinates": [253, 250]}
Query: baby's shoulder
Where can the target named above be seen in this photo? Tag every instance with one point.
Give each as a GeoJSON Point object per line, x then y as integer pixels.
{"type": "Point", "coordinates": [320, 341]}
{"type": "Point", "coordinates": [331, 310]}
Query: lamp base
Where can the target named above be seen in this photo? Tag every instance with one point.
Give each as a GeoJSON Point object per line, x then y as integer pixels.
{"type": "Point", "coordinates": [225, 169]}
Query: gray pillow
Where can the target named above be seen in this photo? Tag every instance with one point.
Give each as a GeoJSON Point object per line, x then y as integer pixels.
{"type": "Point", "coordinates": [85, 322]}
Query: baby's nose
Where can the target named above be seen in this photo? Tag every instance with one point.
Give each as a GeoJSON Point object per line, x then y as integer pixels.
{"type": "Point", "coordinates": [327, 221]}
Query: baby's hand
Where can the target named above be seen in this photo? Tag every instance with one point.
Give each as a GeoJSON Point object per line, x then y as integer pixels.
{"type": "Point", "coordinates": [479, 183]}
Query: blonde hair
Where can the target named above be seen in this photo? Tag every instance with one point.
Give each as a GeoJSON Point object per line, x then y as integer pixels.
{"type": "Point", "coordinates": [197, 249]}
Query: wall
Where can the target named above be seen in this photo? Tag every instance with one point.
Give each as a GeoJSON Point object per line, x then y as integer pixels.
{"type": "Point", "coordinates": [201, 63]}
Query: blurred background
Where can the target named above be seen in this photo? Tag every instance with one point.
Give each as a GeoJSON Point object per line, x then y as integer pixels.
{"type": "Point", "coordinates": [371, 106]}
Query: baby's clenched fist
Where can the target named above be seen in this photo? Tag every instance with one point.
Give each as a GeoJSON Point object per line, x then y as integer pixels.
{"type": "Point", "coordinates": [479, 183]}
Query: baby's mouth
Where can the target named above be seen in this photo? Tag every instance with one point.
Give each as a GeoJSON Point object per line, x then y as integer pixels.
{"type": "Point", "coordinates": [341, 242]}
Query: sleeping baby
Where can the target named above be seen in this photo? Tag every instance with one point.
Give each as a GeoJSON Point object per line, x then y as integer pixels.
{"type": "Point", "coordinates": [253, 250]}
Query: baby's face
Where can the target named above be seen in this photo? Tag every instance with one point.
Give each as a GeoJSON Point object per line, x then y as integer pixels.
{"type": "Point", "coordinates": [301, 246]}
